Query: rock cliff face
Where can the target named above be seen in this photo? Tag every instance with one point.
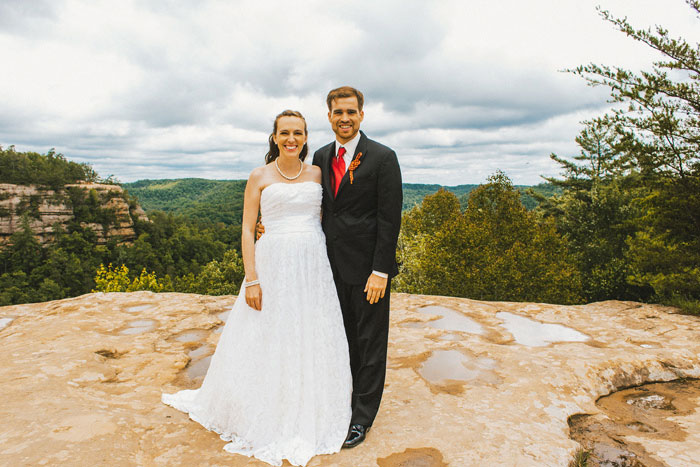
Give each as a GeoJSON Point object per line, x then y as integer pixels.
{"type": "Point", "coordinates": [469, 383]}
{"type": "Point", "coordinates": [46, 208]}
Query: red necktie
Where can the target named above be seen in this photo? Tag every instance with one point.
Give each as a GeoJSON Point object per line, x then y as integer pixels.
{"type": "Point", "coordinates": [338, 167]}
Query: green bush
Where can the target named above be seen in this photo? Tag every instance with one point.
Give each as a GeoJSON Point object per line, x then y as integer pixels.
{"type": "Point", "coordinates": [117, 280]}
{"type": "Point", "coordinates": [495, 250]}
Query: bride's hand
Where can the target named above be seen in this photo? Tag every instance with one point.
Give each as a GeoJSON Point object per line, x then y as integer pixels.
{"type": "Point", "coordinates": [253, 296]}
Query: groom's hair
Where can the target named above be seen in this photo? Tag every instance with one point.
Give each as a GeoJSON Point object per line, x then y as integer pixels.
{"type": "Point", "coordinates": [345, 91]}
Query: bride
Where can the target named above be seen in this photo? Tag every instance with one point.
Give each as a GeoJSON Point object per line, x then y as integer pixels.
{"type": "Point", "coordinates": [279, 384]}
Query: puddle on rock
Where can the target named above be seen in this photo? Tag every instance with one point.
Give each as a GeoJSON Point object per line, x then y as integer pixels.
{"type": "Point", "coordinates": [533, 333]}
{"type": "Point", "coordinates": [192, 335]}
{"type": "Point", "coordinates": [665, 414]}
{"type": "Point", "coordinates": [444, 368]}
{"type": "Point", "coordinates": [652, 401]}
{"type": "Point", "coordinates": [139, 326]}
{"type": "Point", "coordinates": [645, 344]}
{"type": "Point", "coordinates": [443, 365]}
{"type": "Point", "coordinates": [5, 322]}
{"type": "Point", "coordinates": [197, 369]}
{"type": "Point", "coordinates": [451, 320]}
{"type": "Point", "coordinates": [200, 351]}
{"type": "Point", "coordinates": [137, 308]}
{"type": "Point", "coordinates": [450, 336]}
{"type": "Point", "coordinates": [422, 457]}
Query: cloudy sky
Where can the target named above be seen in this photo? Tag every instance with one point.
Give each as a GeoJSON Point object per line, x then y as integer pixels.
{"type": "Point", "coordinates": [171, 89]}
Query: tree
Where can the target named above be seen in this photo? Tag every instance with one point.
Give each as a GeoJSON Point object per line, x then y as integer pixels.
{"type": "Point", "coordinates": [216, 278]}
{"type": "Point", "coordinates": [24, 252]}
{"type": "Point", "coordinates": [596, 211]}
{"type": "Point", "coordinates": [50, 169]}
{"type": "Point", "coordinates": [495, 250]}
{"type": "Point", "coordinates": [660, 113]}
{"type": "Point", "coordinates": [522, 257]}
{"type": "Point", "coordinates": [432, 225]}
{"type": "Point", "coordinates": [657, 122]}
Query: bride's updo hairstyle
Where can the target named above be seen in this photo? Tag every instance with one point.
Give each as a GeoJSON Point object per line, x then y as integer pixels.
{"type": "Point", "coordinates": [274, 151]}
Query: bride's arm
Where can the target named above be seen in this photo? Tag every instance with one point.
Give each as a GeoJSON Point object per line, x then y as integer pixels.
{"type": "Point", "coordinates": [316, 177]}
{"type": "Point", "coordinates": [251, 206]}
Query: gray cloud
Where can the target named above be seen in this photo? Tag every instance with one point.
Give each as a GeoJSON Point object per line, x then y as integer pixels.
{"type": "Point", "coordinates": [26, 16]}
{"type": "Point", "coordinates": [164, 89]}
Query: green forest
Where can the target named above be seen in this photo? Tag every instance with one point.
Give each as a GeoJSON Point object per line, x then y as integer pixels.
{"type": "Point", "coordinates": [222, 200]}
{"type": "Point", "coordinates": [176, 252]}
{"type": "Point", "coordinates": [191, 242]}
{"type": "Point", "coordinates": [621, 222]}
{"type": "Point", "coordinates": [194, 198]}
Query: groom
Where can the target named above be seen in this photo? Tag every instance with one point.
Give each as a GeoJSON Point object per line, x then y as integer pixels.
{"type": "Point", "coordinates": [362, 201]}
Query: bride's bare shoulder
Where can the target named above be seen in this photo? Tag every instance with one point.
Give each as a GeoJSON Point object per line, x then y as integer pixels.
{"type": "Point", "coordinates": [258, 177]}
{"type": "Point", "coordinates": [313, 173]}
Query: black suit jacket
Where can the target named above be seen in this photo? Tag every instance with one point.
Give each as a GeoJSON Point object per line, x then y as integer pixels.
{"type": "Point", "coordinates": [362, 223]}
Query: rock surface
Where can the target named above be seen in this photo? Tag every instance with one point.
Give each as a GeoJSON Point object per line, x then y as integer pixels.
{"type": "Point", "coordinates": [469, 383]}
{"type": "Point", "coordinates": [640, 425]}
{"type": "Point", "coordinates": [46, 208]}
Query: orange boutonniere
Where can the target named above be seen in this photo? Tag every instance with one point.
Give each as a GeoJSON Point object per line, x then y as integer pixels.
{"type": "Point", "coordinates": [353, 165]}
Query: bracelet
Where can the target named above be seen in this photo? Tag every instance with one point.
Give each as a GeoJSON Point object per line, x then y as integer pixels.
{"type": "Point", "coordinates": [248, 284]}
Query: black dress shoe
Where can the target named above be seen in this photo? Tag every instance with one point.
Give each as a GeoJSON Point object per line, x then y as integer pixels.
{"type": "Point", "coordinates": [356, 435]}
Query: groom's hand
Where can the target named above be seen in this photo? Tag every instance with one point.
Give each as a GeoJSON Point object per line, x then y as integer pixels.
{"type": "Point", "coordinates": [375, 288]}
{"type": "Point", "coordinates": [259, 230]}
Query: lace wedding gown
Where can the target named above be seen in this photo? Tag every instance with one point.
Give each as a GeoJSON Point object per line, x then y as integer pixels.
{"type": "Point", "coordinates": [279, 384]}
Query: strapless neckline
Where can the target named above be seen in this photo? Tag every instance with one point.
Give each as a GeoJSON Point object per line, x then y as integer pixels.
{"type": "Point", "coordinates": [285, 183]}
{"type": "Point", "coordinates": [289, 210]}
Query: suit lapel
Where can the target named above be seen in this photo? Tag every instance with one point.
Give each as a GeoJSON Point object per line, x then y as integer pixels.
{"type": "Point", "coordinates": [361, 148]}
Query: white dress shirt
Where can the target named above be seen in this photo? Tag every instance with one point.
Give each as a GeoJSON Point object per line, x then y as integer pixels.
{"type": "Point", "coordinates": [350, 148]}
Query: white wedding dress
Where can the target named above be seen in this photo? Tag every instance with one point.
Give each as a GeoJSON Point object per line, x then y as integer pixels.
{"type": "Point", "coordinates": [279, 384]}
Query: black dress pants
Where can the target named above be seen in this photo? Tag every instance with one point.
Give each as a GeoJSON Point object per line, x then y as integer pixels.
{"type": "Point", "coordinates": [367, 331]}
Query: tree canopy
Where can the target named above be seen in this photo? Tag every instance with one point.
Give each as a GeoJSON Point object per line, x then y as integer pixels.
{"type": "Point", "coordinates": [52, 169]}
{"type": "Point", "coordinates": [494, 250]}
{"type": "Point", "coordinates": [631, 199]}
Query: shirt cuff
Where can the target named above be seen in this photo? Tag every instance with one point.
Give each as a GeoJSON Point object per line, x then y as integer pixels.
{"type": "Point", "coordinates": [383, 275]}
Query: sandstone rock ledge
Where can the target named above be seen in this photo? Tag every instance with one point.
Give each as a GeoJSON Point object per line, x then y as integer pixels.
{"type": "Point", "coordinates": [52, 208]}
{"type": "Point", "coordinates": [469, 383]}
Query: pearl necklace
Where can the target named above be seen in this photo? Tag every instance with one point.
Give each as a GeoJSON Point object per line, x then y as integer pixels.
{"type": "Point", "coordinates": [301, 169]}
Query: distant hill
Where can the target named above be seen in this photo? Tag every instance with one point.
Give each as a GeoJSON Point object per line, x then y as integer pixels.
{"type": "Point", "coordinates": [195, 198]}
{"type": "Point", "coordinates": [413, 193]}
{"type": "Point", "coordinates": [222, 200]}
